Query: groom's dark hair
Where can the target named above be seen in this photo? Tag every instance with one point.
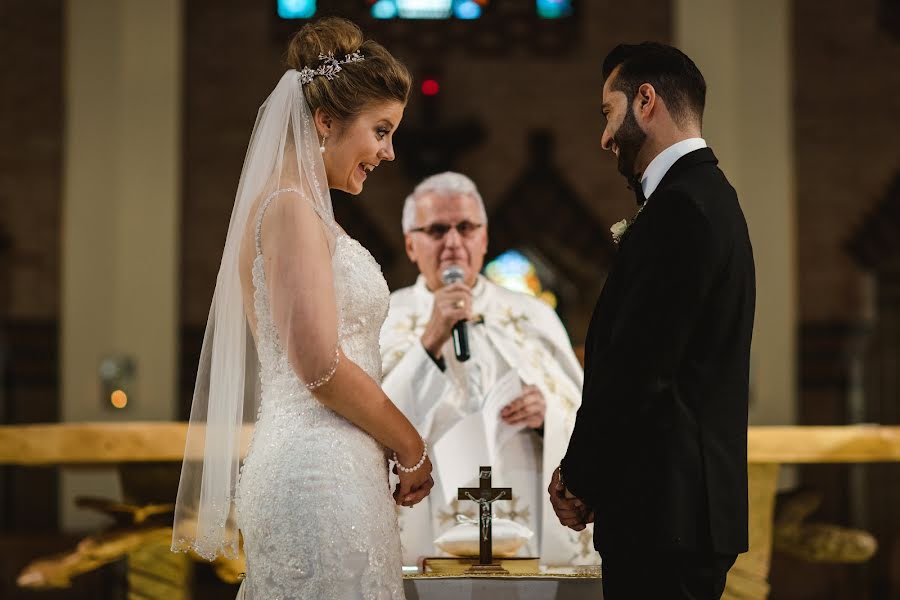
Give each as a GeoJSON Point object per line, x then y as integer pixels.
{"type": "Point", "coordinates": [673, 75]}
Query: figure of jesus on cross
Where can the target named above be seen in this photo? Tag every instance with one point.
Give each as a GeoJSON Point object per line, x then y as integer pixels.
{"type": "Point", "coordinates": [485, 495]}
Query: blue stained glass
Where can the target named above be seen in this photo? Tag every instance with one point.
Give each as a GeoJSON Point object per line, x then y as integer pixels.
{"type": "Point", "coordinates": [424, 9]}
{"type": "Point", "coordinates": [384, 9]}
{"type": "Point", "coordinates": [554, 9]}
{"type": "Point", "coordinates": [428, 9]}
{"type": "Point", "coordinates": [467, 10]}
{"type": "Point", "coordinates": [514, 271]}
{"type": "Point", "coordinates": [296, 9]}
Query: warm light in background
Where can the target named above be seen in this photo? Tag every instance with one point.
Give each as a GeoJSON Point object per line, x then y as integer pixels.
{"type": "Point", "coordinates": [430, 87]}
{"type": "Point", "coordinates": [117, 374]}
{"type": "Point", "coordinates": [118, 399]}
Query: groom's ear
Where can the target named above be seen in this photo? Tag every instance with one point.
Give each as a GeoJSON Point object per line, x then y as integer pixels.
{"type": "Point", "coordinates": [646, 100]}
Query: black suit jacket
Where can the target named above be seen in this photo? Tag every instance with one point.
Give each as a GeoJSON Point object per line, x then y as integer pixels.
{"type": "Point", "coordinates": [659, 449]}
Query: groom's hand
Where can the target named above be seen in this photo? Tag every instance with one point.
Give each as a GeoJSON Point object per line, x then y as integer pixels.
{"type": "Point", "coordinates": [570, 511]}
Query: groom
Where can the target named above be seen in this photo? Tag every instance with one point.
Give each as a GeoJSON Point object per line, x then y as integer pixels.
{"type": "Point", "coordinates": [658, 456]}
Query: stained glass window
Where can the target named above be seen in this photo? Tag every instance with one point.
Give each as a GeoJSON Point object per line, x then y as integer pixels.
{"type": "Point", "coordinates": [428, 9]}
{"type": "Point", "coordinates": [514, 271]}
{"type": "Point", "coordinates": [554, 9]}
{"type": "Point", "coordinates": [296, 9]}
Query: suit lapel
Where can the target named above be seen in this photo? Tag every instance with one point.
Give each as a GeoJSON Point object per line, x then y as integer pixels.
{"type": "Point", "coordinates": [597, 328]}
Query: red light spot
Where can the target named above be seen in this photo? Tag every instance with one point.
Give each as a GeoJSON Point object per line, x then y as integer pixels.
{"type": "Point", "coordinates": [430, 87]}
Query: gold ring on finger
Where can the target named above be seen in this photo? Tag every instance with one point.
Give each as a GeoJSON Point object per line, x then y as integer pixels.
{"type": "Point", "coordinates": [459, 304]}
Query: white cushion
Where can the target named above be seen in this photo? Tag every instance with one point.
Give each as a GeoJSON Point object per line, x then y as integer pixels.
{"type": "Point", "coordinates": [463, 539]}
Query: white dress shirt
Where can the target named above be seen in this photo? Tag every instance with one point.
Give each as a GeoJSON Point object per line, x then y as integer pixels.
{"type": "Point", "coordinates": [660, 165]}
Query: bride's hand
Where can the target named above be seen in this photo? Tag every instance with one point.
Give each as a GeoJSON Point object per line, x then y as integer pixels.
{"type": "Point", "coordinates": [413, 487]}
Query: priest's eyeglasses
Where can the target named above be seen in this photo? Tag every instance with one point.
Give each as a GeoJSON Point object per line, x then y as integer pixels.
{"type": "Point", "coordinates": [437, 231]}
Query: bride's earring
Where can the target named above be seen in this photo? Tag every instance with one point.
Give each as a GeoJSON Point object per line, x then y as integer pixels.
{"type": "Point", "coordinates": [322, 147]}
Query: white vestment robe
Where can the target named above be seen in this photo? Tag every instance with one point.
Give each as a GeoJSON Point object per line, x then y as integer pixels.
{"type": "Point", "coordinates": [518, 332]}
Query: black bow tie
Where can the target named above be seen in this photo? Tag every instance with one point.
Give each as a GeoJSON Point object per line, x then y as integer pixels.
{"type": "Point", "coordinates": [634, 184]}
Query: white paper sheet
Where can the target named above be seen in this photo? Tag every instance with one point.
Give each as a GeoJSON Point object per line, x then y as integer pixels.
{"type": "Point", "coordinates": [507, 389]}
{"type": "Point", "coordinates": [476, 439]}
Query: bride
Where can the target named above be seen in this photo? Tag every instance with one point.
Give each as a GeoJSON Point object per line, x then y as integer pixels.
{"type": "Point", "coordinates": [312, 500]}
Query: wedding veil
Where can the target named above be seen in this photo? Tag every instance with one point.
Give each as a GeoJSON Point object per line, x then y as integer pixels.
{"type": "Point", "coordinates": [284, 146]}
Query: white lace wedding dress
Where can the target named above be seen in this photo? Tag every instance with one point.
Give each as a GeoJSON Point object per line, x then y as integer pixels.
{"type": "Point", "coordinates": [313, 501]}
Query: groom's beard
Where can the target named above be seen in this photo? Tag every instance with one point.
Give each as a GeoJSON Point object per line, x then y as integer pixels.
{"type": "Point", "coordinates": [630, 138]}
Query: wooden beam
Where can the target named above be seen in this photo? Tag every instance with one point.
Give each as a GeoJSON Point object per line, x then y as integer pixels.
{"type": "Point", "coordinates": [91, 443]}
{"type": "Point", "coordinates": [136, 442]}
{"type": "Point", "coordinates": [838, 444]}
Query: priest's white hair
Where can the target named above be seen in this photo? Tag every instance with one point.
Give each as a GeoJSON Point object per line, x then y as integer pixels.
{"type": "Point", "coordinates": [444, 185]}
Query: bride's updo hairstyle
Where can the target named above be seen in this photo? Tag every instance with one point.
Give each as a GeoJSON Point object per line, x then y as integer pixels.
{"type": "Point", "coordinates": [378, 78]}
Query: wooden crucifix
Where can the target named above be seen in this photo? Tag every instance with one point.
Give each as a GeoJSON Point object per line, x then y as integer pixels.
{"type": "Point", "coordinates": [485, 495]}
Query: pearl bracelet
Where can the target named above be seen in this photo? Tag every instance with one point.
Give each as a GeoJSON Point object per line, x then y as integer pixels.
{"type": "Point", "coordinates": [314, 385]}
{"type": "Point", "coordinates": [418, 464]}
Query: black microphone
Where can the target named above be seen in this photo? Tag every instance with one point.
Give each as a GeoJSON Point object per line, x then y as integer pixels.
{"type": "Point", "coordinates": [454, 274]}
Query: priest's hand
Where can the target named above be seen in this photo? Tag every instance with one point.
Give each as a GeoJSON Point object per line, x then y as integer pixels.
{"type": "Point", "coordinates": [452, 304]}
{"type": "Point", "coordinates": [530, 408]}
{"type": "Point", "coordinates": [571, 512]}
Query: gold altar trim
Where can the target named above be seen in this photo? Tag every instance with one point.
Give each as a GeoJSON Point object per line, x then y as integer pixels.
{"type": "Point", "coordinates": [141, 442]}
{"type": "Point", "coordinates": [545, 576]}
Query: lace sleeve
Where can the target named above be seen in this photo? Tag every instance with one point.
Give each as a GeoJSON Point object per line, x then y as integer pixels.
{"type": "Point", "coordinates": [297, 249]}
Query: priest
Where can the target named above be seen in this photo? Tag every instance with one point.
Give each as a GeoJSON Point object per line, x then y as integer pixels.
{"type": "Point", "coordinates": [446, 233]}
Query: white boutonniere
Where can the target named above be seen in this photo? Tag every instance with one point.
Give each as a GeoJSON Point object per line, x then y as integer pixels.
{"type": "Point", "coordinates": [618, 229]}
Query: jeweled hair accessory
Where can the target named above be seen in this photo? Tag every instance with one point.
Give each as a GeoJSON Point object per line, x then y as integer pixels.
{"type": "Point", "coordinates": [330, 66]}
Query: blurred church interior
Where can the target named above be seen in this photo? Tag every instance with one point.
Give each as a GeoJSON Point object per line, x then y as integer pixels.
{"type": "Point", "coordinates": [123, 126]}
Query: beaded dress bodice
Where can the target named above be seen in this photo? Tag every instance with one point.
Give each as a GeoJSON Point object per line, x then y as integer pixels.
{"type": "Point", "coordinates": [362, 300]}
{"type": "Point", "coordinates": [313, 503]}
